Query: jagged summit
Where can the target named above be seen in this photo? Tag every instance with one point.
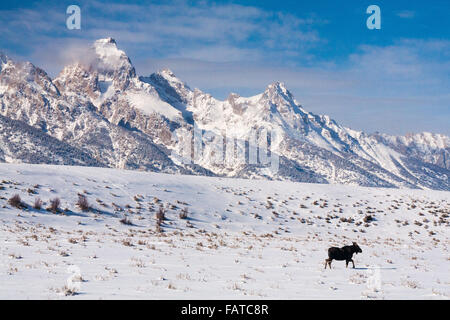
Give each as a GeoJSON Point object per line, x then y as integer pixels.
{"type": "Point", "coordinates": [3, 60]}
{"type": "Point", "coordinates": [171, 78]}
{"type": "Point", "coordinates": [277, 85]}
{"type": "Point", "coordinates": [233, 96]}
{"type": "Point", "coordinates": [110, 61]}
{"type": "Point", "coordinates": [3, 57]}
{"type": "Point", "coordinates": [107, 46]}
{"type": "Point", "coordinates": [278, 89]}
{"type": "Point", "coordinates": [108, 40]}
{"type": "Point", "coordinates": [166, 73]}
{"type": "Point", "coordinates": [100, 106]}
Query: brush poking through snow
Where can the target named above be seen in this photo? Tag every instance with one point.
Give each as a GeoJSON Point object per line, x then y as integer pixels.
{"type": "Point", "coordinates": [191, 237]}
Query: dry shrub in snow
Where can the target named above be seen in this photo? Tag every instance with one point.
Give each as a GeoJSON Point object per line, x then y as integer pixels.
{"type": "Point", "coordinates": [69, 291]}
{"type": "Point", "coordinates": [83, 203]}
{"type": "Point", "coordinates": [15, 201]}
{"type": "Point", "coordinates": [54, 205]}
{"type": "Point", "coordinates": [126, 220]}
{"type": "Point", "coordinates": [127, 242]}
{"type": "Point", "coordinates": [160, 215]}
{"type": "Point", "coordinates": [184, 213]}
{"type": "Point", "coordinates": [37, 204]}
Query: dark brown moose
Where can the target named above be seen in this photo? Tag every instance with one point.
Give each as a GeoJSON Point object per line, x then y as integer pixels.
{"type": "Point", "coordinates": [344, 253]}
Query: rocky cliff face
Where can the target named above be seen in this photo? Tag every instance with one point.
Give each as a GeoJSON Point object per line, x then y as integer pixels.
{"type": "Point", "coordinates": [28, 95]}
{"type": "Point", "coordinates": [98, 112]}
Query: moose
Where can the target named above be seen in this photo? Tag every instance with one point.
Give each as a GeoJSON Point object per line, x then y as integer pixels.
{"type": "Point", "coordinates": [344, 253]}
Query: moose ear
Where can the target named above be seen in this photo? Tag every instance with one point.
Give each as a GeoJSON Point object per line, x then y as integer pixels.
{"type": "Point", "coordinates": [354, 243]}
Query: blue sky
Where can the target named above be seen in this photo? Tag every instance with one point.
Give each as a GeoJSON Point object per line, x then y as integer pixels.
{"type": "Point", "coordinates": [393, 80]}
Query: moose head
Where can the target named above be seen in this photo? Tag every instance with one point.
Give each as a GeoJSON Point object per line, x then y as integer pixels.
{"type": "Point", "coordinates": [356, 248]}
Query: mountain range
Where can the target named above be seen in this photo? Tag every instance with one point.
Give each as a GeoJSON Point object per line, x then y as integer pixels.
{"type": "Point", "coordinates": [99, 112]}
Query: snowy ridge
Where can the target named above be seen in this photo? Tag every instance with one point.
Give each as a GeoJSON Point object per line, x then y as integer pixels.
{"type": "Point", "coordinates": [101, 106]}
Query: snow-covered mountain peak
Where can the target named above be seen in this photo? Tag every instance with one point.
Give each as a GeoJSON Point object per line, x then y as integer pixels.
{"type": "Point", "coordinates": [110, 61]}
{"type": "Point", "coordinates": [77, 80]}
{"type": "Point", "coordinates": [167, 74]}
{"type": "Point", "coordinates": [278, 94]}
{"type": "Point", "coordinates": [99, 105]}
{"type": "Point", "coordinates": [171, 79]}
{"type": "Point", "coordinates": [107, 46]}
{"type": "Point", "coordinates": [170, 88]}
{"type": "Point", "coordinates": [424, 140]}
{"type": "Point", "coordinates": [278, 88]}
{"type": "Point", "coordinates": [103, 41]}
{"type": "Point", "coordinates": [233, 96]}
{"type": "Point", "coordinates": [14, 74]}
{"type": "Point", "coordinates": [71, 70]}
{"type": "Point", "coordinates": [435, 140]}
{"type": "Point", "coordinates": [3, 58]}
{"type": "Point", "coordinates": [4, 61]}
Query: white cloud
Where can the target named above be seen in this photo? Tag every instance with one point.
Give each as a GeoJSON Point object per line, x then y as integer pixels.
{"type": "Point", "coordinates": [395, 89]}
{"type": "Point", "coordinates": [224, 48]}
{"type": "Point", "coordinates": [208, 31]}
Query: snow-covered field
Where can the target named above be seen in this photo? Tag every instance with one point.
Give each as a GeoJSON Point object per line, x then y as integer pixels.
{"type": "Point", "coordinates": [242, 239]}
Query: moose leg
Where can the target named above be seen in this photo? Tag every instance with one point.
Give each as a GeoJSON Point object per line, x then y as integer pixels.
{"type": "Point", "coordinates": [327, 261]}
{"type": "Point", "coordinates": [353, 263]}
{"type": "Point", "coordinates": [346, 263]}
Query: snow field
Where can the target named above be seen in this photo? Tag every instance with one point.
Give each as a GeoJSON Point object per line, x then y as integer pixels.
{"type": "Point", "coordinates": [242, 239]}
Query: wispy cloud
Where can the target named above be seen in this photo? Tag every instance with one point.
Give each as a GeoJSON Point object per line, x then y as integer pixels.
{"type": "Point", "coordinates": [229, 32]}
{"type": "Point", "coordinates": [221, 48]}
{"type": "Point", "coordinates": [396, 89]}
